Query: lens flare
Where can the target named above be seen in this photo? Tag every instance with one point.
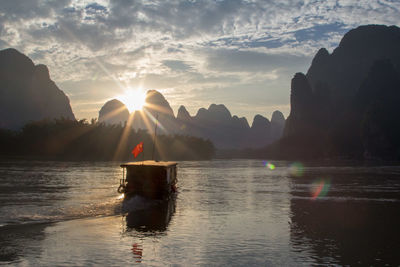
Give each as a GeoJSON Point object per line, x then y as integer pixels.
{"type": "Point", "coordinates": [269, 165]}
{"type": "Point", "coordinates": [296, 169]}
{"type": "Point", "coordinates": [320, 188]}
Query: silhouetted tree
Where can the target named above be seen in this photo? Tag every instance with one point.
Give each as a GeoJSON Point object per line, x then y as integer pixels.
{"type": "Point", "coordinates": [79, 140]}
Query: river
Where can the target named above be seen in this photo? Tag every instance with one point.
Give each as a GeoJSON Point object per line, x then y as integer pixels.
{"type": "Point", "coordinates": [226, 212]}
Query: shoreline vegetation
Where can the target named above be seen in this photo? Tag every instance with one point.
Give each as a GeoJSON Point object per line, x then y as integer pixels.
{"type": "Point", "coordinates": [77, 140]}
{"type": "Point", "coordinates": [65, 139]}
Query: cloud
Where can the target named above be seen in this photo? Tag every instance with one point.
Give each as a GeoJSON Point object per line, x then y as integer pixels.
{"type": "Point", "coordinates": [318, 32]}
{"type": "Point", "coordinates": [207, 50]}
{"type": "Point", "coordinates": [231, 60]}
{"type": "Point", "coordinates": [177, 65]}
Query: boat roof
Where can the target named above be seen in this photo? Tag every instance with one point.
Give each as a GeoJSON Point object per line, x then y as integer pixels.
{"type": "Point", "coordinates": [150, 163]}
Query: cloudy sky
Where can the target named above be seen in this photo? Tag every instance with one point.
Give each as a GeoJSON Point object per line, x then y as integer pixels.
{"type": "Point", "coordinates": [239, 53]}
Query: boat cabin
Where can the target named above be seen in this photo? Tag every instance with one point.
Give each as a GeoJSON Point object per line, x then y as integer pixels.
{"type": "Point", "coordinates": [154, 179]}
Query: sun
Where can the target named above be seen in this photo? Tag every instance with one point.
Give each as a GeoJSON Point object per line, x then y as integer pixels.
{"type": "Point", "coordinates": [134, 99]}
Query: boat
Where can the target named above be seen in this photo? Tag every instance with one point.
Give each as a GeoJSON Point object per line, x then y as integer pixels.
{"type": "Point", "coordinates": [148, 178]}
{"type": "Point", "coordinates": [151, 179]}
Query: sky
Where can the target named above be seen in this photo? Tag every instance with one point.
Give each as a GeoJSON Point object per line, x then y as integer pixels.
{"type": "Point", "coordinates": [239, 53]}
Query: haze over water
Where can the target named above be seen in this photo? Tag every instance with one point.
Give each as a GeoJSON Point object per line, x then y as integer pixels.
{"type": "Point", "coordinates": [240, 212]}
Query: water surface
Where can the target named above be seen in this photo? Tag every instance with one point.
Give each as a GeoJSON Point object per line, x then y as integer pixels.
{"type": "Point", "coordinates": [236, 212]}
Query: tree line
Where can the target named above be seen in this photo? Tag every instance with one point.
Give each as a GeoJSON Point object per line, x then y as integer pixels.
{"type": "Point", "coordinates": [67, 139]}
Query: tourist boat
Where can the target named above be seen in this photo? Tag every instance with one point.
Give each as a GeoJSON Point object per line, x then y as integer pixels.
{"type": "Point", "coordinates": [152, 179]}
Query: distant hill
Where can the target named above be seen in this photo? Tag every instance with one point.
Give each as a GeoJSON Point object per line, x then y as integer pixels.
{"type": "Point", "coordinates": [215, 123]}
{"type": "Point", "coordinates": [277, 125]}
{"type": "Point", "coordinates": [347, 105]}
{"type": "Point", "coordinates": [226, 131]}
{"type": "Point", "coordinates": [156, 106]}
{"type": "Point", "coordinates": [27, 93]}
{"type": "Point", "coordinates": [114, 112]}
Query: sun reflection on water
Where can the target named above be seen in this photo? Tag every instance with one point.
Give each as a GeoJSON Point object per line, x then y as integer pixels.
{"type": "Point", "coordinates": [296, 169]}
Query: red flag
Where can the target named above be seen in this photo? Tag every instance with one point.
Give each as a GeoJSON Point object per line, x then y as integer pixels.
{"type": "Point", "coordinates": [139, 148]}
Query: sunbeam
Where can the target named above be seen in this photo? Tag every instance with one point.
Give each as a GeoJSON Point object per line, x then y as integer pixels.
{"type": "Point", "coordinates": [134, 99]}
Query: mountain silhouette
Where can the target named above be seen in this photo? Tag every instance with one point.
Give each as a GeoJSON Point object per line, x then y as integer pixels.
{"type": "Point", "coordinates": [114, 112]}
{"type": "Point", "coordinates": [377, 105]}
{"type": "Point", "coordinates": [215, 123]}
{"type": "Point", "coordinates": [277, 125]}
{"type": "Point", "coordinates": [157, 107]}
{"type": "Point", "coordinates": [334, 106]}
{"type": "Point", "coordinates": [27, 92]}
{"type": "Point", "coordinates": [260, 131]}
